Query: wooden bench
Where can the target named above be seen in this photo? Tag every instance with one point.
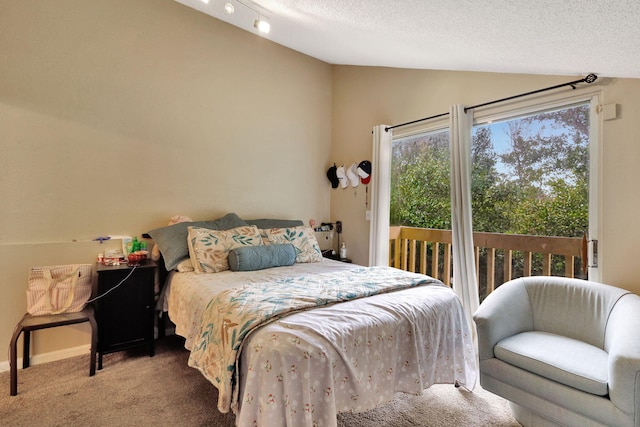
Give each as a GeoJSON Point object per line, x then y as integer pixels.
{"type": "Point", "coordinates": [30, 323]}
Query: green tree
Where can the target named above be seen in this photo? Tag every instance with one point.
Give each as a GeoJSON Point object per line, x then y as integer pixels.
{"type": "Point", "coordinates": [551, 170]}
{"type": "Point", "coordinates": [539, 186]}
{"type": "Point", "coordinates": [420, 195]}
{"type": "Point", "coordinates": [490, 196]}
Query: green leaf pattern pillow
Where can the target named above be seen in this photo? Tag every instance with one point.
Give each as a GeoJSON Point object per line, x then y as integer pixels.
{"type": "Point", "coordinates": [209, 249]}
{"type": "Point", "coordinates": [301, 237]}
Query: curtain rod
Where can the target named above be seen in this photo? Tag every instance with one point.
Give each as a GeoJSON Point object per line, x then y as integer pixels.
{"type": "Point", "coordinates": [588, 79]}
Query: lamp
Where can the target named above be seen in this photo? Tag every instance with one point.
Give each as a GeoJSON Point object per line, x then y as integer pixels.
{"type": "Point", "coordinates": [228, 7]}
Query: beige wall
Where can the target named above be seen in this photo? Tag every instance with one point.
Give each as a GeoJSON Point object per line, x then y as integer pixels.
{"type": "Point", "coordinates": [620, 198]}
{"type": "Point", "coordinates": [116, 115]}
{"type": "Point", "coordinates": [366, 96]}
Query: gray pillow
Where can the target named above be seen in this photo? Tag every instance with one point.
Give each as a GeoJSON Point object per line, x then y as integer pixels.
{"type": "Point", "coordinates": [172, 240]}
{"type": "Point", "coordinates": [249, 258]}
{"type": "Point", "coordinates": [266, 223]}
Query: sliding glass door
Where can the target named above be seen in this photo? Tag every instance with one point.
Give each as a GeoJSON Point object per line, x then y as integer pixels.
{"type": "Point", "coordinates": [534, 186]}
{"type": "Point", "coordinates": [531, 177]}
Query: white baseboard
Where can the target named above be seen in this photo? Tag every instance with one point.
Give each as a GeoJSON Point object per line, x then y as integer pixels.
{"type": "Point", "coordinates": [50, 357]}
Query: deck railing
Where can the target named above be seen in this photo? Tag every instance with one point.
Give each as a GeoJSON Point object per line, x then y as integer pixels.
{"type": "Point", "coordinates": [499, 257]}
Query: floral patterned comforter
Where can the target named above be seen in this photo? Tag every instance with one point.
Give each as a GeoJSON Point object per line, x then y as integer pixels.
{"type": "Point", "coordinates": [304, 368]}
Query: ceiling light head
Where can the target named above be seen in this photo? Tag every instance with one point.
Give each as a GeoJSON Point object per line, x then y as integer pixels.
{"type": "Point", "coordinates": [262, 25]}
{"type": "Point", "coordinates": [228, 7]}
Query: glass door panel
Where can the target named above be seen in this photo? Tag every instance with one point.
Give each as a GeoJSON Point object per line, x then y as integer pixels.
{"type": "Point", "coordinates": [530, 176]}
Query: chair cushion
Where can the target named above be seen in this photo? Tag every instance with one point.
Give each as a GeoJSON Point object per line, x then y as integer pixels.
{"type": "Point", "coordinates": [572, 308]}
{"type": "Point", "coordinates": [565, 360]}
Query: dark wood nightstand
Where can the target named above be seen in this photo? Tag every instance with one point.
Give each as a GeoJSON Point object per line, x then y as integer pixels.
{"type": "Point", "coordinates": [336, 257]}
{"type": "Point", "coordinates": [125, 315]}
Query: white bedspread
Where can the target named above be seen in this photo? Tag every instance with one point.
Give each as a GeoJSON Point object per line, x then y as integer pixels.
{"type": "Point", "coordinates": [305, 368]}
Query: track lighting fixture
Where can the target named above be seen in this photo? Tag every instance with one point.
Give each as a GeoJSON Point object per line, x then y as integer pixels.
{"type": "Point", "coordinates": [261, 24]}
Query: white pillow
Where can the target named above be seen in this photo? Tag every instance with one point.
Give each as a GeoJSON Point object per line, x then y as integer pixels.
{"type": "Point", "coordinates": [185, 266]}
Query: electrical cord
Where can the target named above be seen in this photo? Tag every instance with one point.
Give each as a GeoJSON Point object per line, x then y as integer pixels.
{"type": "Point", "coordinates": [115, 287]}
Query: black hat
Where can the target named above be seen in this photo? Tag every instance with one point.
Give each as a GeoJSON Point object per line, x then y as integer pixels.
{"type": "Point", "coordinates": [333, 176]}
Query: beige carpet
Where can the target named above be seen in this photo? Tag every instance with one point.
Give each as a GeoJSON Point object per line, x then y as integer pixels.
{"type": "Point", "coordinates": [136, 390]}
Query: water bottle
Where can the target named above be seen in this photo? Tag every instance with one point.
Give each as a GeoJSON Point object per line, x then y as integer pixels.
{"type": "Point", "coordinates": [343, 250]}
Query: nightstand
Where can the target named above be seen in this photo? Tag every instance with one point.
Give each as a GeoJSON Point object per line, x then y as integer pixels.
{"type": "Point", "coordinates": [125, 315]}
{"type": "Point", "coordinates": [336, 257]}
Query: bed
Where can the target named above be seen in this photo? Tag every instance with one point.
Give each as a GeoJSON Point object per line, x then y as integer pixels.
{"type": "Point", "coordinates": [295, 343]}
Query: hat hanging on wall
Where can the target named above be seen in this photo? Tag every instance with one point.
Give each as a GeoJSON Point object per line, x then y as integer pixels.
{"type": "Point", "coordinates": [364, 171]}
{"type": "Point", "coordinates": [352, 174]}
{"type": "Point", "coordinates": [333, 177]}
{"type": "Point", "coordinates": [342, 176]}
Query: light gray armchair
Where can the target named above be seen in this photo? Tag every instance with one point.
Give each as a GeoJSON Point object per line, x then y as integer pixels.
{"type": "Point", "coordinates": [562, 351]}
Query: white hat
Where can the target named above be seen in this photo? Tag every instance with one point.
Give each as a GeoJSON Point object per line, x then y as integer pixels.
{"type": "Point", "coordinates": [342, 176]}
{"type": "Point", "coordinates": [352, 174]}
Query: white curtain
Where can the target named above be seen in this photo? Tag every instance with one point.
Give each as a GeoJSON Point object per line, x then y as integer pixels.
{"type": "Point", "coordinates": [464, 268]}
{"type": "Point", "coordinates": [380, 196]}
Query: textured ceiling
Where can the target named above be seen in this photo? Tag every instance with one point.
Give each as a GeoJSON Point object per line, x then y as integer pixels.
{"type": "Point", "coordinates": [566, 37]}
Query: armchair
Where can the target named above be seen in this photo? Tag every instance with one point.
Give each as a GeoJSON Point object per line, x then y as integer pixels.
{"type": "Point", "coordinates": [562, 351]}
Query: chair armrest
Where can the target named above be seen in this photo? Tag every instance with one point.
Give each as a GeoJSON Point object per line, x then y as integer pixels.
{"type": "Point", "coordinates": [622, 342]}
{"type": "Point", "coordinates": [505, 312]}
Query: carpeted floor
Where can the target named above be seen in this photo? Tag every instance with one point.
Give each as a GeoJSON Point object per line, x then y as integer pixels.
{"type": "Point", "coordinates": [136, 390]}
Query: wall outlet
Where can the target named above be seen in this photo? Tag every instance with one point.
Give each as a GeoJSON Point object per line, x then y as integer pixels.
{"type": "Point", "coordinates": [367, 215]}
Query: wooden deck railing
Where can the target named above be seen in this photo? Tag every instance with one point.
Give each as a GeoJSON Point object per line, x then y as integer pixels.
{"type": "Point", "coordinates": [428, 251]}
